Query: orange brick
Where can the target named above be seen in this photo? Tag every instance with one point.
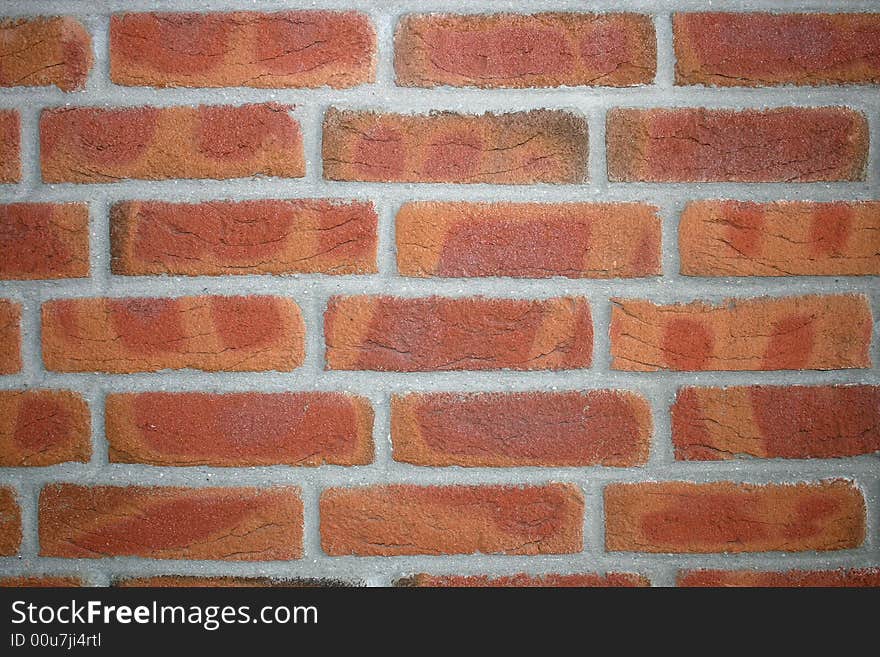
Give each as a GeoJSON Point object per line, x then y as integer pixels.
{"type": "Point", "coordinates": [44, 51]}
{"type": "Point", "coordinates": [44, 240]}
{"type": "Point", "coordinates": [10, 146]}
{"type": "Point", "coordinates": [43, 427]}
{"type": "Point", "coordinates": [10, 337]}
{"type": "Point", "coordinates": [524, 580]}
{"type": "Point", "coordinates": [863, 577]}
{"type": "Point", "coordinates": [10, 522]}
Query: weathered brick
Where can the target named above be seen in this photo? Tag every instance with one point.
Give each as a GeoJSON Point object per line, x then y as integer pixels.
{"type": "Point", "coordinates": [44, 240]}
{"type": "Point", "coordinates": [789, 144]}
{"type": "Point", "coordinates": [525, 580]}
{"type": "Point", "coordinates": [242, 49]}
{"type": "Point", "coordinates": [786, 238]}
{"type": "Point", "coordinates": [43, 427]}
{"type": "Point", "coordinates": [399, 519]}
{"type": "Point", "coordinates": [245, 237]}
{"type": "Point", "coordinates": [540, 146]}
{"type": "Point", "coordinates": [10, 146]}
{"type": "Point", "coordinates": [789, 333]}
{"type": "Point", "coordinates": [178, 581]}
{"type": "Point", "coordinates": [44, 51]}
{"type": "Point", "coordinates": [525, 50]}
{"type": "Point", "coordinates": [212, 333]}
{"type": "Point", "coordinates": [10, 522]}
{"type": "Point", "coordinates": [434, 333]}
{"type": "Point", "coordinates": [10, 337]}
{"type": "Point", "coordinates": [730, 517]}
{"type": "Point", "coordinates": [245, 429]}
{"type": "Point", "coordinates": [234, 524]}
{"type": "Point", "coordinates": [603, 427]}
{"type": "Point", "coordinates": [798, 422]}
{"type": "Point", "coordinates": [39, 581]}
{"type": "Point", "coordinates": [762, 49]}
{"type": "Point", "coordinates": [528, 240]}
{"type": "Point", "coordinates": [862, 577]}
{"type": "Point", "coordinates": [97, 145]}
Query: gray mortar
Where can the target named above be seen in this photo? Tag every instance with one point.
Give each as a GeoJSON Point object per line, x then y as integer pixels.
{"type": "Point", "coordinates": [312, 291]}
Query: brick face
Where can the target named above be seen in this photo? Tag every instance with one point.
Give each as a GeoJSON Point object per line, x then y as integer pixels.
{"type": "Point", "coordinates": [10, 146]}
{"type": "Point", "coordinates": [523, 580]}
{"type": "Point", "coordinates": [248, 237]}
{"type": "Point", "coordinates": [513, 50]}
{"type": "Point", "coordinates": [399, 520]}
{"type": "Point", "coordinates": [728, 517]}
{"type": "Point", "coordinates": [242, 49]}
{"type": "Point", "coordinates": [861, 577]}
{"type": "Point", "coordinates": [518, 148]}
{"type": "Point", "coordinates": [10, 522]}
{"type": "Point", "coordinates": [146, 335]}
{"type": "Point", "coordinates": [234, 524]}
{"type": "Point", "coordinates": [92, 145]}
{"type": "Point", "coordinates": [52, 50]}
{"type": "Point", "coordinates": [528, 240]}
{"type": "Point", "coordinates": [517, 429]}
{"type": "Point", "coordinates": [705, 145]}
{"type": "Point", "coordinates": [427, 334]}
{"type": "Point", "coordinates": [789, 333]}
{"type": "Point", "coordinates": [44, 240]}
{"type": "Point", "coordinates": [247, 429]}
{"type": "Point", "coordinates": [758, 50]}
{"type": "Point", "coordinates": [10, 336]}
{"type": "Point", "coordinates": [43, 427]}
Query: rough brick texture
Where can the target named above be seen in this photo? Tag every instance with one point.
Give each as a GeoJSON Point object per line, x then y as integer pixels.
{"type": "Point", "coordinates": [10, 522]}
{"type": "Point", "coordinates": [729, 517]}
{"type": "Point", "coordinates": [178, 581]}
{"type": "Point", "coordinates": [528, 240]}
{"type": "Point", "coordinates": [757, 50]}
{"type": "Point", "coordinates": [395, 520]}
{"type": "Point", "coordinates": [704, 145]}
{"type": "Point", "coordinates": [10, 336]}
{"type": "Point", "coordinates": [43, 427]}
{"type": "Point", "coordinates": [546, 146]}
{"type": "Point", "coordinates": [10, 146]}
{"type": "Point", "coordinates": [39, 582]}
{"type": "Point", "coordinates": [248, 237]}
{"type": "Point", "coordinates": [515, 50]}
{"type": "Point", "coordinates": [95, 145]}
{"type": "Point", "coordinates": [789, 333]}
{"type": "Point", "coordinates": [785, 238]}
{"type": "Point", "coordinates": [521, 429]}
{"type": "Point", "coordinates": [44, 51]}
{"type": "Point", "coordinates": [235, 524]}
{"type": "Point", "coordinates": [247, 429]}
{"type": "Point", "coordinates": [862, 577]}
{"type": "Point", "coordinates": [523, 580]}
{"type": "Point", "coordinates": [775, 421]}
{"type": "Point", "coordinates": [44, 240]}
{"type": "Point", "coordinates": [242, 49]}
{"type": "Point", "coordinates": [145, 335]}
{"type": "Point", "coordinates": [411, 335]}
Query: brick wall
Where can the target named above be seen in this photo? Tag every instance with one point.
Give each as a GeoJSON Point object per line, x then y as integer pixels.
{"type": "Point", "coordinates": [426, 293]}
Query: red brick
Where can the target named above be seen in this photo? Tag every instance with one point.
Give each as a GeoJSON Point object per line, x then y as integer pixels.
{"type": "Point", "coordinates": [44, 51]}
{"type": "Point", "coordinates": [519, 148]}
{"type": "Point", "coordinates": [434, 333]}
{"type": "Point", "coordinates": [786, 238]}
{"type": "Point", "coordinates": [729, 517]}
{"type": "Point", "coordinates": [95, 145]}
{"type": "Point", "coordinates": [212, 333]}
{"type": "Point", "coordinates": [44, 240]}
{"type": "Point", "coordinates": [789, 144]}
{"type": "Point", "coordinates": [525, 580]}
{"type": "Point", "coordinates": [525, 50]}
{"type": "Point", "coordinates": [245, 429]}
{"type": "Point", "coordinates": [400, 519]}
{"type": "Point", "coordinates": [865, 577]}
{"type": "Point", "coordinates": [10, 146]}
{"type": "Point", "coordinates": [10, 337]}
{"type": "Point", "coordinates": [528, 240]}
{"type": "Point", "coordinates": [35, 581]}
{"type": "Point", "coordinates": [10, 522]}
{"type": "Point", "coordinates": [710, 424]}
{"type": "Point", "coordinates": [603, 427]}
{"type": "Point", "coordinates": [235, 524]}
{"type": "Point", "coordinates": [179, 581]}
{"type": "Point", "coordinates": [43, 427]}
{"type": "Point", "coordinates": [242, 49]}
{"type": "Point", "coordinates": [246, 237]}
{"type": "Point", "coordinates": [755, 50]}
{"type": "Point", "coordinates": [789, 333]}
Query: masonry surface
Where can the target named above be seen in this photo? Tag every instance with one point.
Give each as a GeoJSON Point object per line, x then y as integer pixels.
{"type": "Point", "coordinates": [425, 293]}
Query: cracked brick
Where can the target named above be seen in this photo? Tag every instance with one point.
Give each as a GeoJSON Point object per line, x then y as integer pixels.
{"type": "Point", "coordinates": [43, 427]}
{"type": "Point", "coordinates": [44, 241]}
{"type": "Point", "coordinates": [45, 51]}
